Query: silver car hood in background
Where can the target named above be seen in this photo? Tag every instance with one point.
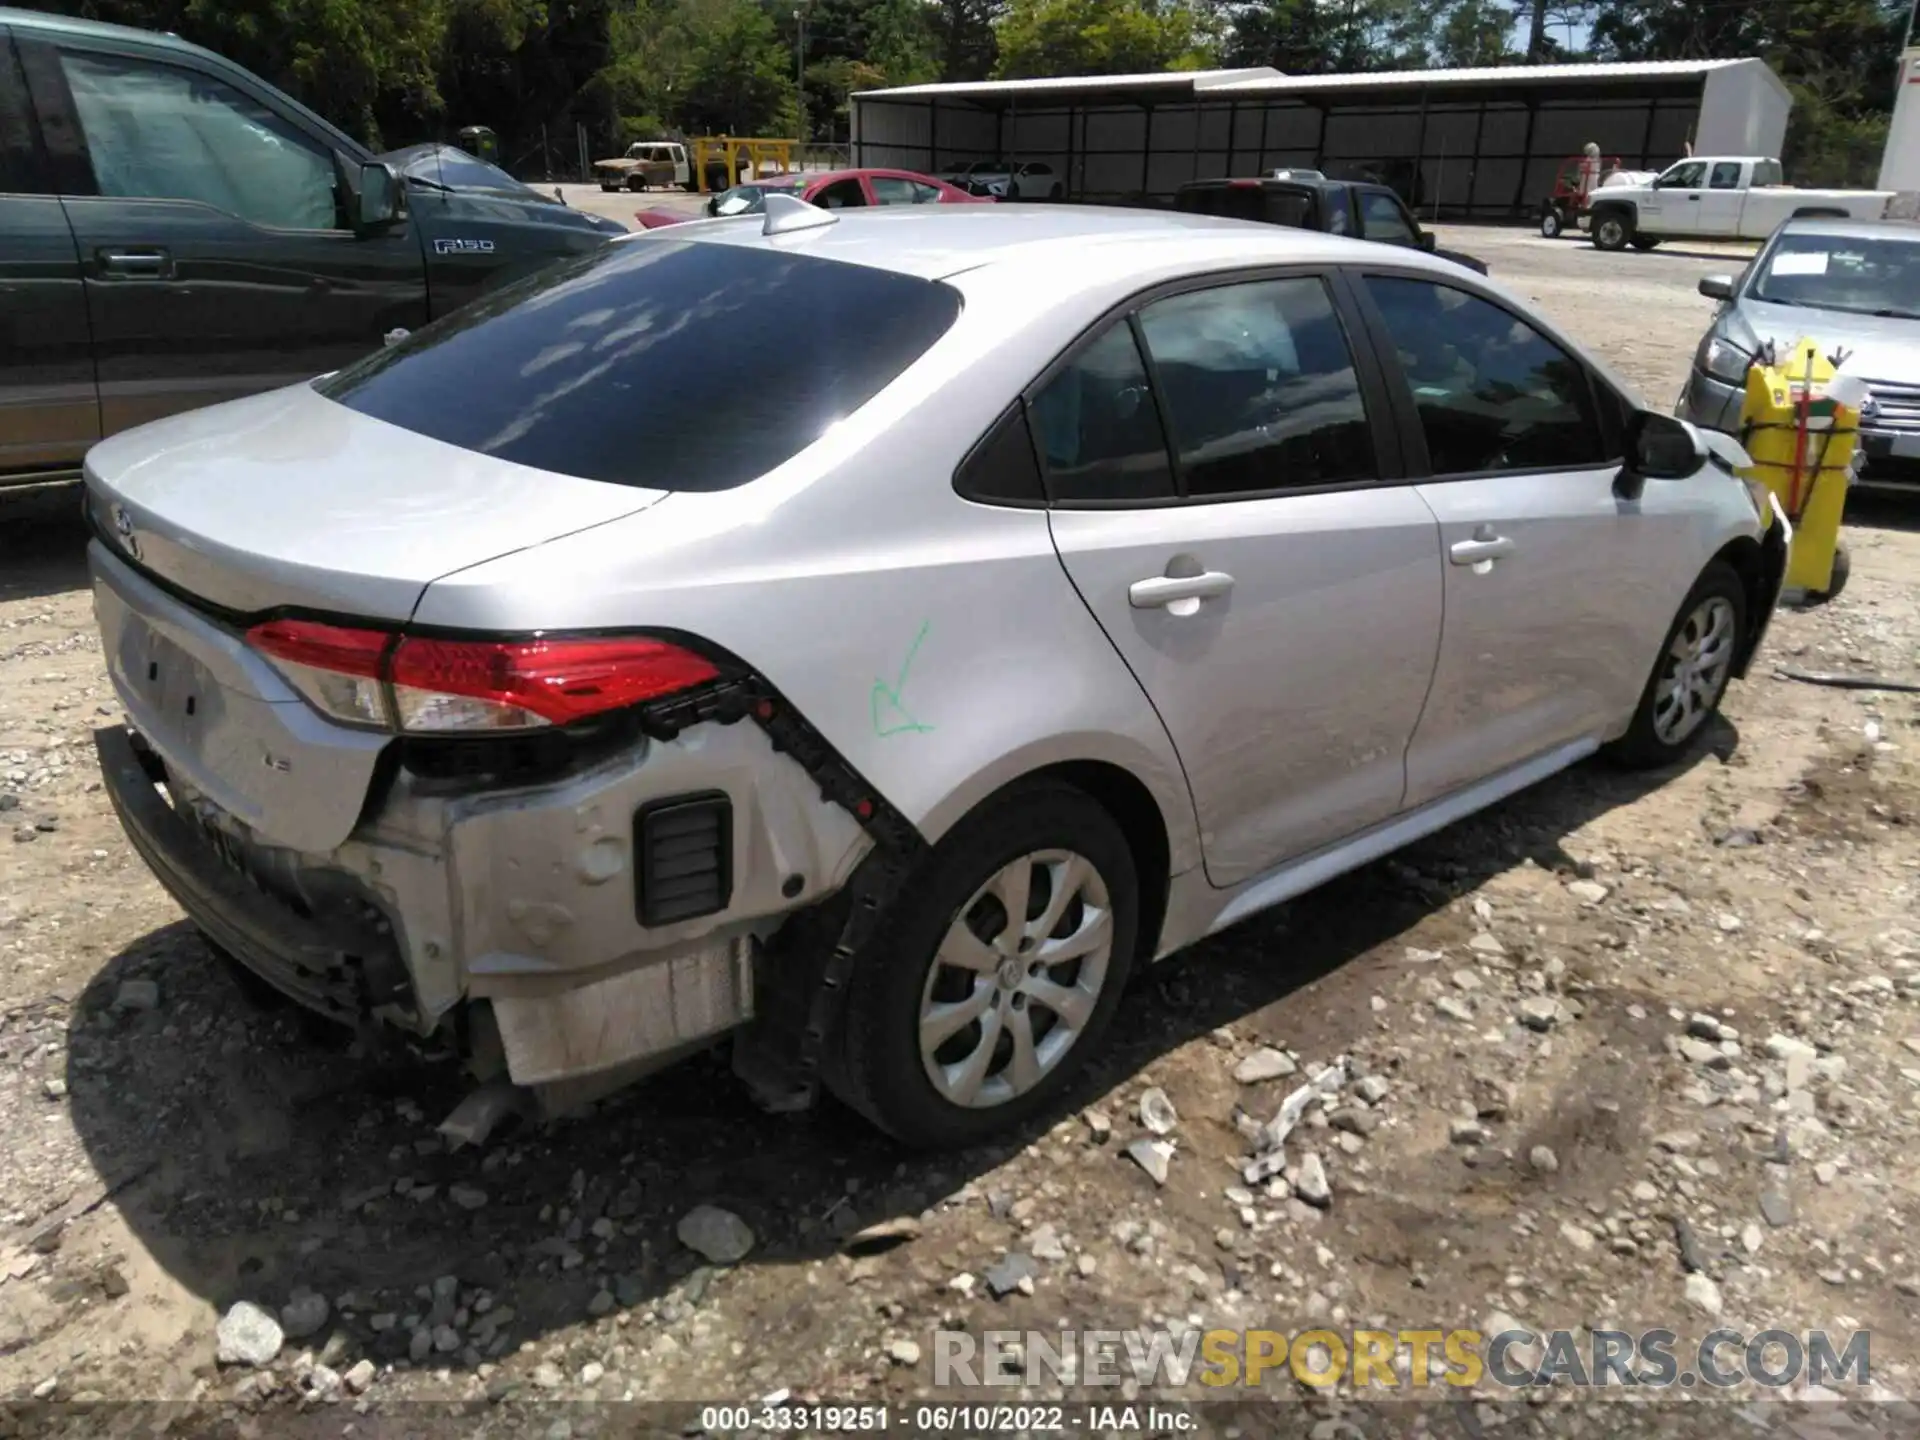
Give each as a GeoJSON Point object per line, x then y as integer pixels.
{"type": "Point", "coordinates": [1883, 347]}
{"type": "Point", "coordinates": [290, 500]}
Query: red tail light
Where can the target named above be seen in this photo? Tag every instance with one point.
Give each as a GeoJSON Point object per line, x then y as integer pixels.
{"type": "Point", "coordinates": [493, 685]}
{"type": "Point", "coordinates": [371, 677]}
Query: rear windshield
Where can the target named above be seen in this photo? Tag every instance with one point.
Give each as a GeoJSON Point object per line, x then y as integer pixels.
{"type": "Point", "coordinates": [671, 364]}
{"type": "Point", "coordinates": [1250, 202]}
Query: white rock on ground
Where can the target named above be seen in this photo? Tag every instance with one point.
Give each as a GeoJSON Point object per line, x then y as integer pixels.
{"type": "Point", "coordinates": [1266, 1063]}
{"type": "Point", "coordinates": [248, 1335]}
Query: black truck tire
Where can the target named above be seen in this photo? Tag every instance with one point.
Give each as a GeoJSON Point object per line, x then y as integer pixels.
{"type": "Point", "coordinates": [1612, 228]}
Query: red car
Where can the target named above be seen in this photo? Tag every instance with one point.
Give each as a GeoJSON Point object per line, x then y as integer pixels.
{"type": "Point", "coordinates": [835, 190]}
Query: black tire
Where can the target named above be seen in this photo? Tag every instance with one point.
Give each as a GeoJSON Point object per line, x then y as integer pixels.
{"type": "Point", "coordinates": [1642, 747]}
{"type": "Point", "coordinates": [1836, 582]}
{"type": "Point", "coordinates": [1611, 230]}
{"type": "Point", "coordinates": [879, 1070]}
{"type": "Point", "coordinates": [1552, 222]}
{"type": "Point", "coordinates": [1644, 242]}
{"type": "Point", "coordinates": [1056, 193]}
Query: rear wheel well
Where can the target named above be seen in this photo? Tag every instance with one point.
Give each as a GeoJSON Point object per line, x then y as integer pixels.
{"type": "Point", "coordinates": [1819, 212]}
{"type": "Point", "coordinates": [1134, 809]}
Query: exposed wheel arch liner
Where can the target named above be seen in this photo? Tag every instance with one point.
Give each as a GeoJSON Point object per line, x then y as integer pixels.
{"type": "Point", "coordinates": [1819, 212]}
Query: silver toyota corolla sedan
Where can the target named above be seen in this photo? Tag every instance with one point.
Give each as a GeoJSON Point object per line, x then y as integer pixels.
{"type": "Point", "coordinates": [875, 636]}
{"type": "Point", "coordinates": [1852, 285]}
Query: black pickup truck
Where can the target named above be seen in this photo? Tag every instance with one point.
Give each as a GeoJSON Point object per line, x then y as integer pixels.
{"type": "Point", "coordinates": [175, 232]}
{"type": "Point", "coordinates": [1313, 202]}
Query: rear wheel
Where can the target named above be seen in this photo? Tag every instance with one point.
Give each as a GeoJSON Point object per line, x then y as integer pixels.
{"type": "Point", "coordinates": [1691, 675]}
{"type": "Point", "coordinates": [1552, 222]}
{"type": "Point", "coordinates": [996, 976]}
{"type": "Point", "coordinates": [1645, 242]}
{"type": "Point", "coordinates": [1611, 230]}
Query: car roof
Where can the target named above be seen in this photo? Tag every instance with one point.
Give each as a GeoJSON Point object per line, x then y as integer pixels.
{"type": "Point", "coordinates": [1848, 228]}
{"type": "Point", "coordinates": [91, 29]}
{"type": "Point", "coordinates": [935, 242]}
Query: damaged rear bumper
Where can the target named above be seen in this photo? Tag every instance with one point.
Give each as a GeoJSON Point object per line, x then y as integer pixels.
{"type": "Point", "coordinates": [386, 927]}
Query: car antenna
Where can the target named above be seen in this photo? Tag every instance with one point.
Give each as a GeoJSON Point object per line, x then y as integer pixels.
{"type": "Point", "coordinates": [786, 214]}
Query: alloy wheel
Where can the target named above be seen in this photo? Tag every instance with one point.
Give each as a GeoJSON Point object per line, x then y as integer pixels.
{"type": "Point", "coordinates": [1694, 671]}
{"type": "Point", "coordinates": [1017, 979]}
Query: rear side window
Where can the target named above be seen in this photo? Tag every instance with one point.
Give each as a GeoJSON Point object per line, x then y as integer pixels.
{"type": "Point", "coordinates": [1098, 429]}
{"type": "Point", "coordinates": [656, 362]}
{"type": "Point", "coordinates": [1492, 392]}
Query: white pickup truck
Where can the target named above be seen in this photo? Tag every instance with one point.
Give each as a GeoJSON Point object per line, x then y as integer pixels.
{"type": "Point", "coordinates": [1717, 197]}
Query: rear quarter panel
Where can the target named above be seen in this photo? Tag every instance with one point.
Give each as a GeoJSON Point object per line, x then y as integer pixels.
{"type": "Point", "coordinates": [937, 643]}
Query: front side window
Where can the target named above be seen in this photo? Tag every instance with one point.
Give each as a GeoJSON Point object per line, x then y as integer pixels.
{"type": "Point", "coordinates": [1492, 392]}
{"type": "Point", "coordinates": [629, 364]}
{"type": "Point", "coordinates": [1684, 176]}
{"type": "Point", "coordinates": [165, 133]}
{"type": "Point", "coordinates": [1382, 219]}
{"type": "Point", "coordinates": [1726, 175]}
{"type": "Point", "coordinates": [1098, 431]}
{"type": "Point", "coordinates": [1259, 388]}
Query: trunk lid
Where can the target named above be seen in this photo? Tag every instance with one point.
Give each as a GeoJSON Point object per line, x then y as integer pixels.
{"type": "Point", "coordinates": [290, 501]}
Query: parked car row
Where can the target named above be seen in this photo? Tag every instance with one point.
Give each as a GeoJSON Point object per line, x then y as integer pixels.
{"type": "Point", "coordinates": [486, 687]}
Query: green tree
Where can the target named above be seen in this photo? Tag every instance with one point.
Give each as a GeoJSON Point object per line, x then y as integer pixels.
{"type": "Point", "coordinates": [1838, 57]}
{"type": "Point", "coordinates": [1101, 37]}
{"type": "Point", "coordinates": [964, 39]}
{"type": "Point", "coordinates": [739, 79]}
{"type": "Point", "coordinates": [1475, 33]}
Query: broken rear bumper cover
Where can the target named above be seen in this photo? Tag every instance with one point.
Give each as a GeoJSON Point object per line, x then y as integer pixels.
{"type": "Point", "coordinates": [562, 908]}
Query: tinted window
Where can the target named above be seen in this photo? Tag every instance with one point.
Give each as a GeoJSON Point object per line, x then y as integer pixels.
{"type": "Point", "coordinates": [1726, 175]}
{"type": "Point", "coordinates": [161, 132]}
{"type": "Point", "coordinates": [1097, 428]}
{"type": "Point", "coordinates": [841, 195]}
{"type": "Point", "coordinates": [1381, 218]}
{"type": "Point", "coordinates": [1685, 176]}
{"type": "Point", "coordinates": [1259, 388]}
{"type": "Point", "coordinates": [1002, 468]}
{"type": "Point", "coordinates": [1493, 393]}
{"type": "Point", "coordinates": [656, 362]}
{"type": "Point", "coordinates": [1272, 205]}
{"type": "Point", "coordinates": [19, 168]}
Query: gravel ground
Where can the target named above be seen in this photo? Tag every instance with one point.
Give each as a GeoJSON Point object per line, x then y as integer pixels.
{"type": "Point", "coordinates": [1629, 1051]}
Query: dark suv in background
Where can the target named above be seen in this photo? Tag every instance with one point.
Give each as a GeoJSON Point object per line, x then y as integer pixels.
{"type": "Point", "coordinates": [174, 232]}
{"type": "Point", "coordinates": [1308, 200]}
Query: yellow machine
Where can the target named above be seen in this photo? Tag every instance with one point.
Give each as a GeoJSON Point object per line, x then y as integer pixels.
{"type": "Point", "coordinates": [760, 157]}
{"type": "Point", "coordinates": [1800, 422]}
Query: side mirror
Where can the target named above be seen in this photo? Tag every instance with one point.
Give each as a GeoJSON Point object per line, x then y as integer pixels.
{"type": "Point", "coordinates": [1427, 241]}
{"type": "Point", "coordinates": [380, 200]}
{"type": "Point", "coordinates": [1659, 447]}
{"type": "Point", "coordinates": [1717, 287]}
{"type": "Point", "coordinates": [713, 206]}
{"type": "Point", "coordinates": [558, 196]}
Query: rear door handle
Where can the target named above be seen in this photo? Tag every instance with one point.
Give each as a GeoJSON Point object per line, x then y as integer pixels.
{"type": "Point", "coordinates": [1162, 590]}
{"type": "Point", "coordinates": [143, 263]}
{"type": "Point", "coordinates": [1481, 547]}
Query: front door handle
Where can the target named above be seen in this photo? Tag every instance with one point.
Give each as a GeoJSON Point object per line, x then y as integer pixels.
{"type": "Point", "coordinates": [1484, 546]}
{"type": "Point", "coordinates": [1164, 590]}
{"type": "Point", "coordinates": [142, 263]}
